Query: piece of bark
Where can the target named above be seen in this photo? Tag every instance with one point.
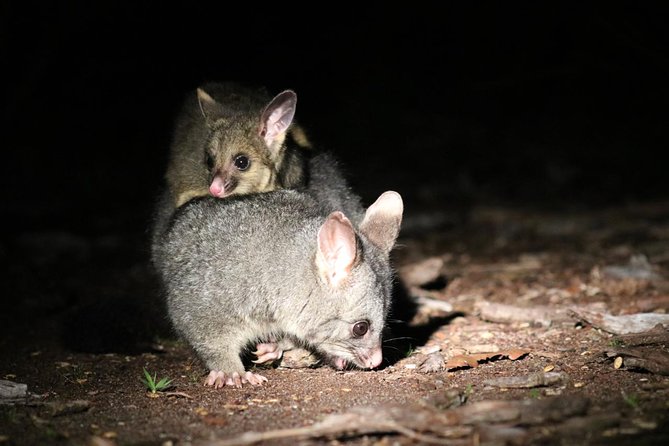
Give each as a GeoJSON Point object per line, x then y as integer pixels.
{"type": "Point", "coordinates": [60, 408]}
{"type": "Point", "coordinates": [489, 412]}
{"type": "Point", "coordinates": [11, 392]}
{"type": "Point", "coordinates": [417, 422]}
{"type": "Point", "coordinates": [655, 361]}
{"type": "Point", "coordinates": [575, 429]}
{"type": "Point", "coordinates": [540, 379]}
{"type": "Point", "coordinates": [626, 324]}
{"type": "Point", "coordinates": [501, 435]}
{"type": "Point", "coordinates": [428, 424]}
{"type": "Point", "coordinates": [539, 411]}
{"type": "Point", "coordinates": [502, 313]}
{"type": "Point", "coordinates": [657, 336]}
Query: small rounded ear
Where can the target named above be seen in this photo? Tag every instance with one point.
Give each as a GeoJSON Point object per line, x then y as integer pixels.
{"type": "Point", "coordinates": [211, 110]}
{"type": "Point", "coordinates": [337, 248]}
{"type": "Point", "coordinates": [382, 220]}
{"type": "Point", "coordinates": [277, 117]}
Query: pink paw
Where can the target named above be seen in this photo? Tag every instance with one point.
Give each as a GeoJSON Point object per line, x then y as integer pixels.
{"type": "Point", "coordinates": [268, 351]}
{"type": "Point", "coordinates": [218, 379]}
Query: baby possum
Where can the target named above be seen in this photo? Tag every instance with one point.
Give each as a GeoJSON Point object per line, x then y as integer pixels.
{"type": "Point", "coordinates": [231, 139]}
{"type": "Point", "coordinates": [262, 270]}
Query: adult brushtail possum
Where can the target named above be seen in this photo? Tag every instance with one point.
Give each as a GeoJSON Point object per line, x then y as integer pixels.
{"type": "Point", "coordinates": [262, 271]}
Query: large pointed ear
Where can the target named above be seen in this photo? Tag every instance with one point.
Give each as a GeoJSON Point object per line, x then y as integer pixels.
{"type": "Point", "coordinates": [277, 117]}
{"type": "Point", "coordinates": [337, 248]}
{"type": "Point", "coordinates": [382, 220]}
{"type": "Point", "coordinates": [211, 110]}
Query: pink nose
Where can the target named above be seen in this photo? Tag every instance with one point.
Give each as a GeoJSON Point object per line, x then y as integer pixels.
{"type": "Point", "coordinates": [375, 358]}
{"type": "Point", "coordinates": [217, 187]}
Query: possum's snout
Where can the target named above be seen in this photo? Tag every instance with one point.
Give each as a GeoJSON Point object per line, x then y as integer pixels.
{"type": "Point", "coordinates": [365, 359]}
{"type": "Point", "coordinates": [372, 358]}
{"type": "Point", "coordinates": [222, 185]}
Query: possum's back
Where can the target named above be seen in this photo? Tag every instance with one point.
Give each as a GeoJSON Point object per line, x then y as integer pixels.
{"type": "Point", "coordinates": [254, 242]}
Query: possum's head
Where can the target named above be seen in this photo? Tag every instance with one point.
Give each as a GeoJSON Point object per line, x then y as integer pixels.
{"type": "Point", "coordinates": [246, 147]}
{"type": "Point", "coordinates": [356, 281]}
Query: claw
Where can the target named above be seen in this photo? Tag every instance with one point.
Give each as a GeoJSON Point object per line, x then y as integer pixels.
{"type": "Point", "coordinates": [265, 347]}
{"type": "Point", "coordinates": [254, 379]}
{"type": "Point", "coordinates": [234, 380]}
{"type": "Point", "coordinates": [268, 351]}
{"type": "Point", "coordinates": [218, 379]}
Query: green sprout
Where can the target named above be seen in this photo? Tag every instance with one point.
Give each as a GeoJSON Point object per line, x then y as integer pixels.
{"type": "Point", "coordinates": [534, 393]}
{"type": "Point", "coordinates": [153, 385]}
{"type": "Point", "coordinates": [632, 400]}
{"type": "Point", "coordinates": [616, 342]}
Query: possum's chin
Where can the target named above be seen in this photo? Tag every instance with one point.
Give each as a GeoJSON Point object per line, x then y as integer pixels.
{"type": "Point", "coordinates": [364, 359]}
{"type": "Point", "coordinates": [339, 363]}
{"type": "Point", "coordinates": [344, 364]}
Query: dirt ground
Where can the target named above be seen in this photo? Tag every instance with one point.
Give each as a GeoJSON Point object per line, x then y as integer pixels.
{"type": "Point", "coordinates": [500, 335]}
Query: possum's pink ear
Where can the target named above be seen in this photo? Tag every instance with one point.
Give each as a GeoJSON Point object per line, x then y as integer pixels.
{"type": "Point", "coordinates": [337, 247]}
{"type": "Point", "coordinates": [276, 118]}
{"type": "Point", "coordinates": [210, 109]}
{"type": "Point", "coordinates": [382, 220]}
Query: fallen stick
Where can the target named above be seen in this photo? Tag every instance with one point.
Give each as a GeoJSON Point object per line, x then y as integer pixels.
{"type": "Point", "coordinates": [427, 424]}
{"type": "Point", "coordinates": [620, 325]}
{"type": "Point", "coordinates": [540, 379]}
{"type": "Point", "coordinates": [502, 313]}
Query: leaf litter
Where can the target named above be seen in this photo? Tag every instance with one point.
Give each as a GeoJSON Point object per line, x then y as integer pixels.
{"type": "Point", "coordinates": [512, 291]}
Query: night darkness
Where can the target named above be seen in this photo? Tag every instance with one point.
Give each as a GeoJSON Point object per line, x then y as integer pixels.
{"type": "Point", "coordinates": [457, 105]}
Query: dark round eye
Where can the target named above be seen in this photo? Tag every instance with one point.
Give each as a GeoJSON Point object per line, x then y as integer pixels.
{"type": "Point", "coordinates": [360, 328]}
{"type": "Point", "coordinates": [242, 162]}
{"type": "Point", "coordinates": [209, 160]}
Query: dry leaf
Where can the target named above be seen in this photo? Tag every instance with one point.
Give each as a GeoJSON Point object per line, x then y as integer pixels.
{"type": "Point", "coordinates": [461, 361]}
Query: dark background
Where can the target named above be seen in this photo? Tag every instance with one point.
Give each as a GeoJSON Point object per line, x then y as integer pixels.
{"type": "Point", "coordinates": [457, 105]}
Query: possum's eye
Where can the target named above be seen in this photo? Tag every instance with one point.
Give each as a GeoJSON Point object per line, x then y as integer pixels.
{"type": "Point", "coordinates": [209, 160]}
{"type": "Point", "coordinates": [360, 328]}
{"type": "Point", "coordinates": [242, 162]}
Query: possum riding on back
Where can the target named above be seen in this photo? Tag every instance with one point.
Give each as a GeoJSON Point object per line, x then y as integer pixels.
{"type": "Point", "coordinates": [231, 140]}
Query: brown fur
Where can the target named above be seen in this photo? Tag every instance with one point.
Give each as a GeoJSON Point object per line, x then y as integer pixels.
{"type": "Point", "coordinates": [225, 125]}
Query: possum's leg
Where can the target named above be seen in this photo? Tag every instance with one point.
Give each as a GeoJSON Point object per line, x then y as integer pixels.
{"type": "Point", "coordinates": [226, 367]}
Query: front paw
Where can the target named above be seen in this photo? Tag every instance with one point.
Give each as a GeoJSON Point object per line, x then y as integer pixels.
{"type": "Point", "coordinates": [218, 379]}
{"type": "Point", "coordinates": [267, 351]}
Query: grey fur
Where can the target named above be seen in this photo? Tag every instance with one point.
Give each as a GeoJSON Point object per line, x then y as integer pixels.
{"type": "Point", "coordinates": [327, 184]}
{"type": "Point", "coordinates": [243, 270]}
